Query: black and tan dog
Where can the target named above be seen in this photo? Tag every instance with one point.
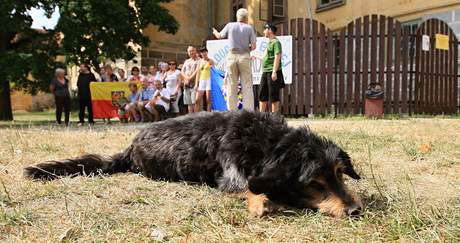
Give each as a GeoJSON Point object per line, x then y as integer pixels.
{"type": "Point", "coordinates": [255, 153]}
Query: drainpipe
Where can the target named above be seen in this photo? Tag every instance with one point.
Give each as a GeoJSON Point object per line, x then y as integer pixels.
{"type": "Point", "coordinates": [310, 15]}
{"type": "Point", "coordinates": [270, 11]}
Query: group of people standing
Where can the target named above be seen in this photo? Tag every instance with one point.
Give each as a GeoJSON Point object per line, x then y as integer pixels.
{"type": "Point", "coordinates": [242, 40]}
{"type": "Point", "coordinates": [155, 92]}
{"type": "Point", "coordinates": [196, 73]}
{"type": "Point", "coordinates": [173, 90]}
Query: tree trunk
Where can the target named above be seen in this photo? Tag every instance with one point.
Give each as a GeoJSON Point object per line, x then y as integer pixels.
{"type": "Point", "coordinates": [6, 113]}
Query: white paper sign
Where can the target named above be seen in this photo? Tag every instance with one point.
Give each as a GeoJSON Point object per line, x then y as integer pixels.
{"type": "Point", "coordinates": [425, 43]}
{"type": "Point", "coordinates": [218, 50]}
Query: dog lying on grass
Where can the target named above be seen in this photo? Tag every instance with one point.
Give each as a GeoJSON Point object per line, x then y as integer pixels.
{"type": "Point", "coordinates": [238, 152]}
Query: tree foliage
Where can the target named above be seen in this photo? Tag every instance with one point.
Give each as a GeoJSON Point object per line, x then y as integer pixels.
{"type": "Point", "coordinates": [87, 31]}
{"type": "Point", "coordinates": [25, 52]}
{"type": "Point", "coordinates": [95, 29]}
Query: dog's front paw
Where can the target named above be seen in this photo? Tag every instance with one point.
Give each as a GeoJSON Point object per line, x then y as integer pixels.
{"type": "Point", "coordinates": [260, 205]}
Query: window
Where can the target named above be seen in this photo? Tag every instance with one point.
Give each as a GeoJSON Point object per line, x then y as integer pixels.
{"type": "Point", "coordinates": [328, 4]}
{"type": "Point", "coordinates": [264, 10]}
{"type": "Point", "coordinates": [236, 4]}
{"type": "Point", "coordinates": [272, 10]}
{"type": "Point", "coordinates": [278, 8]}
{"type": "Point", "coordinates": [412, 25]}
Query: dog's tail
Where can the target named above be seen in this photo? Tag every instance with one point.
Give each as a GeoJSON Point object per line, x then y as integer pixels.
{"type": "Point", "coordinates": [86, 165]}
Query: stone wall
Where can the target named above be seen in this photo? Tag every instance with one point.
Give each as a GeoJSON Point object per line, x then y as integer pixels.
{"type": "Point", "coordinates": [21, 101]}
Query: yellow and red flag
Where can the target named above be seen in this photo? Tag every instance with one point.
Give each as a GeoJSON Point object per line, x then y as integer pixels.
{"type": "Point", "coordinates": [105, 97]}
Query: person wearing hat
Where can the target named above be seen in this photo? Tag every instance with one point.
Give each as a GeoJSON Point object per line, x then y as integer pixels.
{"type": "Point", "coordinates": [272, 77]}
{"type": "Point", "coordinates": [242, 40]}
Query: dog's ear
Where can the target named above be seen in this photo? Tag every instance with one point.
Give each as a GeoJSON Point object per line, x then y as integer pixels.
{"type": "Point", "coordinates": [349, 170]}
{"type": "Point", "coordinates": [278, 167]}
{"type": "Point", "coordinates": [285, 162]}
{"type": "Point", "coordinates": [308, 171]}
{"type": "Point", "coordinates": [272, 175]}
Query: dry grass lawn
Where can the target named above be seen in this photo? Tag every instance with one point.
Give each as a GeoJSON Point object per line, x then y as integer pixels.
{"type": "Point", "coordinates": [411, 189]}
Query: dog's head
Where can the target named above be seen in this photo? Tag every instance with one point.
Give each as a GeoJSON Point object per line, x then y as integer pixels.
{"type": "Point", "coordinates": [305, 170]}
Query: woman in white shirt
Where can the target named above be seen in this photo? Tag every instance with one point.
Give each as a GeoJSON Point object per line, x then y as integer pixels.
{"type": "Point", "coordinates": [172, 81]}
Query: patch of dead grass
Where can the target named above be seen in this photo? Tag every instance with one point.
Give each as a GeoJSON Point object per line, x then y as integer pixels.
{"type": "Point", "coordinates": [409, 194]}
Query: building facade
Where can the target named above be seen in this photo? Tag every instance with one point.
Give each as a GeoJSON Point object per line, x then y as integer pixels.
{"type": "Point", "coordinates": [197, 17]}
{"type": "Point", "coordinates": [194, 19]}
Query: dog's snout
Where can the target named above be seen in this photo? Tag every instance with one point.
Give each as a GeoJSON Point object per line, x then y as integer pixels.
{"type": "Point", "coordinates": [354, 210]}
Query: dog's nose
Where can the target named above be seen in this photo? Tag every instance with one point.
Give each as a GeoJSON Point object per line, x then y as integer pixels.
{"type": "Point", "coordinates": [354, 210]}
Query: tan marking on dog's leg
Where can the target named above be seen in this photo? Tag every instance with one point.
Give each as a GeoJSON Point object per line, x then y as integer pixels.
{"type": "Point", "coordinates": [259, 205]}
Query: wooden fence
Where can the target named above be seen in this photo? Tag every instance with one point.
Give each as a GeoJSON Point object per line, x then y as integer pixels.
{"type": "Point", "coordinates": [436, 72]}
{"type": "Point", "coordinates": [331, 71]}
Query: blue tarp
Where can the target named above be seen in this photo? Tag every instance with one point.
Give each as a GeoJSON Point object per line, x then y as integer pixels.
{"type": "Point", "coordinates": [218, 93]}
{"type": "Point", "coordinates": [217, 90]}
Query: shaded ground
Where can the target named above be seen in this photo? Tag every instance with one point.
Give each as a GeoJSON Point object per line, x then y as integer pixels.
{"type": "Point", "coordinates": [411, 188]}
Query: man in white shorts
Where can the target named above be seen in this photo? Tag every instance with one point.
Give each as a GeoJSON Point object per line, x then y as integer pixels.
{"type": "Point", "coordinates": [242, 40]}
{"type": "Point", "coordinates": [189, 72]}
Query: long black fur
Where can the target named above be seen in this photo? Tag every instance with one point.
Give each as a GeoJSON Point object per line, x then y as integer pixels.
{"type": "Point", "coordinates": [233, 151]}
{"type": "Point", "coordinates": [89, 164]}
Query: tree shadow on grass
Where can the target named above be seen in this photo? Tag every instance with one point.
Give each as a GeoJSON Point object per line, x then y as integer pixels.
{"type": "Point", "coordinates": [26, 124]}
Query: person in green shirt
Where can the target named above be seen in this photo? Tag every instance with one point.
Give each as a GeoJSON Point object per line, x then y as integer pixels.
{"type": "Point", "coordinates": [272, 80]}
